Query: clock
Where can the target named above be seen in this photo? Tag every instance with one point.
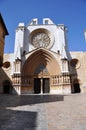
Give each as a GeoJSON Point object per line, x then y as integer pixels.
{"type": "Point", "coordinates": [41, 38]}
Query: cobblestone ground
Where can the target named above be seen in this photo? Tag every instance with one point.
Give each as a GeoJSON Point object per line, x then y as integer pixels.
{"type": "Point", "coordinates": [43, 112]}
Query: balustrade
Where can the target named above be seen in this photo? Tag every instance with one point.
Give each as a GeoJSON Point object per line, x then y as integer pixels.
{"type": "Point", "coordinates": [60, 79]}
{"type": "Point", "coordinates": [56, 80]}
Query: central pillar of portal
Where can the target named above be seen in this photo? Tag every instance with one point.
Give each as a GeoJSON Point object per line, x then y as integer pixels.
{"type": "Point", "coordinates": [41, 85]}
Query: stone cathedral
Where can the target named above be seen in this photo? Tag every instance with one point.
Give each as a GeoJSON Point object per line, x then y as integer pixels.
{"type": "Point", "coordinates": [41, 62]}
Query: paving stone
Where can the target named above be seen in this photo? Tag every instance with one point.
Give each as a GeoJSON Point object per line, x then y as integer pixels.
{"type": "Point", "coordinates": [43, 112]}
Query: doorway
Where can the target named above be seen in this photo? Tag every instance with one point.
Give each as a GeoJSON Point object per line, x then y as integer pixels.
{"type": "Point", "coordinates": [41, 85]}
{"type": "Point", "coordinates": [37, 85]}
{"type": "Point", "coordinates": [77, 88]}
{"type": "Point", "coordinates": [6, 87]}
{"type": "Point", "coordinates": [46, 85]}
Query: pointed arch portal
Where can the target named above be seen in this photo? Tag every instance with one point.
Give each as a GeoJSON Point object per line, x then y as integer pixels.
{"type": "Point", "coordinates": [39, 66]}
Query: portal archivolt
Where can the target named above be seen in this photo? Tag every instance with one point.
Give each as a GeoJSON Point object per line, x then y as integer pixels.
{"type": "Point", "coordinates": [44, 58]}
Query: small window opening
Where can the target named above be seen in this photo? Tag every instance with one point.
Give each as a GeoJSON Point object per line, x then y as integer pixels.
{"type": "Point", "coordinates": [34, 22]}
{"type": "Point", "coordinates": [46, 22]}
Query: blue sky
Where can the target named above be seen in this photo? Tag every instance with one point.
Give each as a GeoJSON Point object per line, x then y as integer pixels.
{"type": "Point", "coordinates": [71, 13]}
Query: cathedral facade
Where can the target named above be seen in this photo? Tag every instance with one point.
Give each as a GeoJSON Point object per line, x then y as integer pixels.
{"type": "Point", "coordinates": [41, 62]}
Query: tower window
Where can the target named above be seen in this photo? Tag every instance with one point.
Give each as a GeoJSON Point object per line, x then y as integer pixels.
{"type": "Point", "coordinates": [34, 22]}
{"type": "Point", "coordinates": [46, 22]}
{"type": "Point", "coordinates": [58, 52]}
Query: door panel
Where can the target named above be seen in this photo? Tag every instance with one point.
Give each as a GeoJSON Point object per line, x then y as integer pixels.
{"type": "Point", "coordinates": [46, 85]}
{"type": "Point", "coordinates": [37, 85]}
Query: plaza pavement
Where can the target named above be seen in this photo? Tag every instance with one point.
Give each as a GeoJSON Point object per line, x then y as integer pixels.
{"type": "Point", "coordinates": [43, 112]}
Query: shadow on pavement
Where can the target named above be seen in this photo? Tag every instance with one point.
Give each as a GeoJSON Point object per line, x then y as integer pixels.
{"type": "Point", "coordinates": [14, 100]}
{"type": "Point", "coordinates": [17, 120]}
{"type": "Point", "coordinates": [14, 119]}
